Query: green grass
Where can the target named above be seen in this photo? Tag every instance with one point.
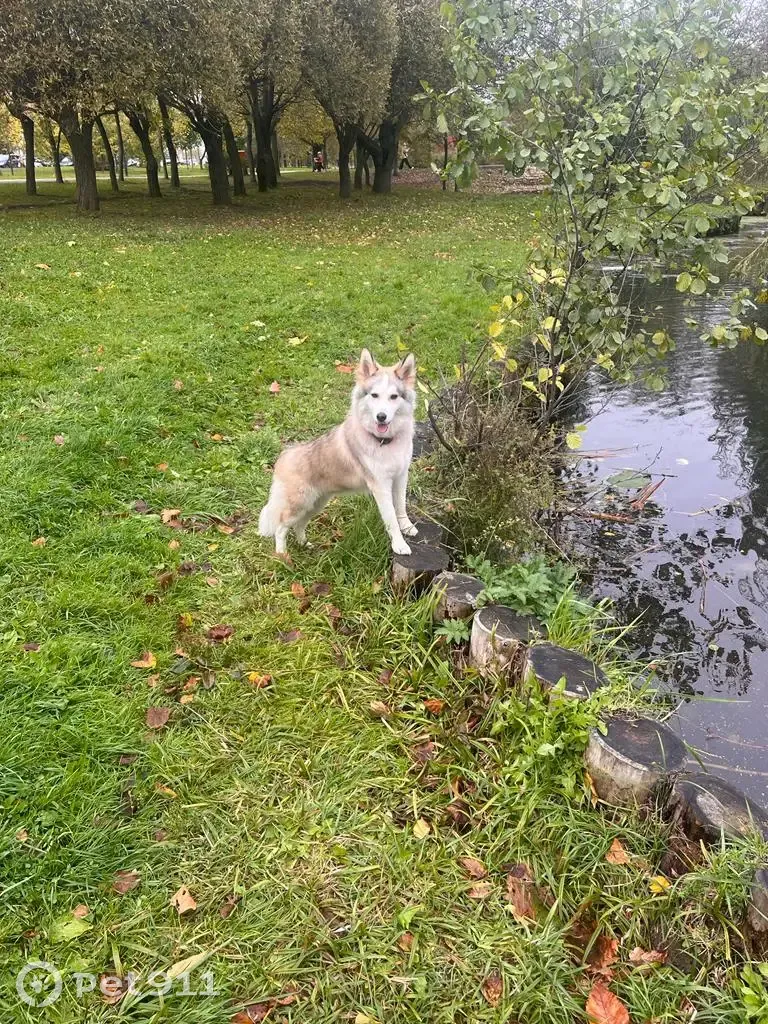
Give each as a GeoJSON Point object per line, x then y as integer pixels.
{"type": "Point", "coordinates": [140, 345]}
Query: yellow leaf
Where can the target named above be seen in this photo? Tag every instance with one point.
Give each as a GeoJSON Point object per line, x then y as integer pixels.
{"type": "Point", "coordinates": [500, 351]}
{"type": "Point", "coordinates": [495, 329]}
{"type": "Point", "coordinates": [506, 302]}
{"type": "Point", "coordinates": [297, 341]}
{"type": "Point", "coordinates": [573, 440]}
{"type": "Point", "coordinates": [421, 829]}
{"type": "Point", "coordinates": [659, 884]}
{"type": "Point", "coordinates": [147, 660]}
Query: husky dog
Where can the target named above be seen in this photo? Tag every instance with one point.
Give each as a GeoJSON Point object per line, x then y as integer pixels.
{"type": "Point", "coordinates": [370, 451]}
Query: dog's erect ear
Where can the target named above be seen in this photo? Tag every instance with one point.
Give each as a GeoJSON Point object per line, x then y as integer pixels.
{"type": "Point", "coordinates": [366, 367]}
{"type": "Point", "coordinates": [406, 370]}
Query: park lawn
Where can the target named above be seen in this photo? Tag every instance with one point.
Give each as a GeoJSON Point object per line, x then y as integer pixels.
{"type": "Point", "coordinates": [317, 820]}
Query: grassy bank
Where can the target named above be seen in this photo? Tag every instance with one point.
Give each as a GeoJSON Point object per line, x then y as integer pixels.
{"type": "Point", "coordinates": [313, 805]}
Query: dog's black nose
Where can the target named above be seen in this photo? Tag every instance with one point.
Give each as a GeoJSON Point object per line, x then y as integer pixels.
{"type": "Point", "coordinates": [381, 417]}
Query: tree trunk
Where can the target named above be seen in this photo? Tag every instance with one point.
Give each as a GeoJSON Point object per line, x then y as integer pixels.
{"type": "Point", "coordinates": [54, 143]}
{"type": "Point", "coordinates": [79, 135]}
{"type": "Point", "coordinates": [161, 147]}
{"type": "Point", "coordinates": [396, 161]}
{"type": "Point", "coordinates": [170, 145]}
{"type": "Point", "coordinates": [238, 179]}
{"type": "Point", "coordinates": [121, 162]}
{"type": "Point", "coordinates": [139, 122]}
{"type": "Point", "coordinates": [249, 151]}
{"type": "Point", "coordinates": [275, 150]}
{"type": "Point", "coordinates": [384, 158]}
{"type": "Point", "coordinates": [445, 159]}
{"type": "Point", "coordinates": [360, 158]}
{"type": "Point", "coordinates": [347, 136]}
{"type": "Point", "coordinates": [28, 127]}
{"type": "Point", "coordinates": [261, 96]}
{"type": "Point", "coordinates": [217, 165]}
{"type": "Point", "coordinates": [109, 154]}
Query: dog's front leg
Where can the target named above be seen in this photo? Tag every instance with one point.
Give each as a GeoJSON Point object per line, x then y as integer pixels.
{"type": "Point", "coordinates": [385, 503]}
{"type": "Point", "coordinates": [399, 490]}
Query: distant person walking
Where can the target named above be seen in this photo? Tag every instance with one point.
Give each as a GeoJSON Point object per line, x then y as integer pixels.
{"type": "Point", "coordinates": [404, 161]}
{"type": "Point", "coordinates": [318, 164]}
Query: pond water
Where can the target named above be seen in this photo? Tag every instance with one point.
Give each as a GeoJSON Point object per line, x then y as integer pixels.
{"type": "Point", "coordinates": [694, 564]}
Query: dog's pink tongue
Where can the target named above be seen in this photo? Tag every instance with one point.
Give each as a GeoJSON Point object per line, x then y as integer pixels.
{"type": "Point", "coordinates": [382, 428]}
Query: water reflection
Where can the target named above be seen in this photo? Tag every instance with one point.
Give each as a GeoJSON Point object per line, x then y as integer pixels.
{"type": "Point", "coordinates": [695, 565]}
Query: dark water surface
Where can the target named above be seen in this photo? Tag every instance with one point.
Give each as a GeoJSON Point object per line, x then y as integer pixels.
{"type": "Point", "coordinates": [695, 565]}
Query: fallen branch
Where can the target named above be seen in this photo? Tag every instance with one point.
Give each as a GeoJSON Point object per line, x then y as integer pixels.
{"type": "Point", "coordinates": [611, 517]}
{"type": "Point", "coordinates": [639, 503]}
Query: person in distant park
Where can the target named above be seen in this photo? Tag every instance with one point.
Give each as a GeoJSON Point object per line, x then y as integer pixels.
{"type": "Point", "coordinates": [405, 149]}
{"type": "Point", "coordinates": [318, 162]}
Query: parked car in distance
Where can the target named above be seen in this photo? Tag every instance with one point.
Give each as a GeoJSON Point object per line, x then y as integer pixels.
{"type": "Point", "coordinates": [66, 161]}
{"type": "Point", "coordinates": [133, 162]}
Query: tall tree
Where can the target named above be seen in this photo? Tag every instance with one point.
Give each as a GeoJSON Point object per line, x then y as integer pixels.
{"type": "Point", "coordinates": [108, 154]}
{"type": "Point", "coordinates": [347, 64]}
{"type": "Point", "coordinates": [233, 154]}
{"type": "Point", "coordinates": [141, 123]}
{"type": "Point", "coordinates": [170, 144]}
{"type": "Point", "coordinates": [121, 159]}
{"type": "Point", "coordinates": [53, 138]}
{"type": "Point", "coordinates": [16, 107]}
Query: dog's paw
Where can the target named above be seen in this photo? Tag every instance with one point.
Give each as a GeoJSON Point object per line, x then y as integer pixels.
{"type": "Point", "coordinates": [400, 547]}
{"type": "Point", "coordinates": [409, 530]}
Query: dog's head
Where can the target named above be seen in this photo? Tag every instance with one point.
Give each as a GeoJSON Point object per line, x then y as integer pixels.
{"type": "Point", "coordinates": [384, 396]}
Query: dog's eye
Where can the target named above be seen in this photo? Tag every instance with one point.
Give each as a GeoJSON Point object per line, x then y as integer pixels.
{"type": "Point", "coordinates": [393, 398]}
{"type": "Point", "coordinates": [374, 395]}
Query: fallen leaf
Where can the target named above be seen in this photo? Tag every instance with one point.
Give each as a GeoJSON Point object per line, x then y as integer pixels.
{"type": "Point", "coordinates": [174, 545]}
{"type": "Point", "coordinates": [212, 581]}
{"type": "Point", "coordinates": [42, 266]}
{"type": "Point", "coordinates": [153, 680]}
{"type": "Point", "coordinates": [424, 752]}
{"type": "Point", "coordinates": [320, 589]}
{"type": "Point", "coordinates": [297, 341]}
{"type": "Point", "coordinates": [520, 891]}
{"type": "Point", "coordinates": [617, 854]}
{"type": "Point", "coordinates": [480, 890]}
{"type": "Point", "coordinates": [304, 605]}
{"type": "Point", "coordinates": [124, 881]}
{"type": "Point", "coordinates": [405, 942]}
{"type": "Point", "coordinates": [640, 956]}
{"type": "Point", "coordinates": [22, 835]}
{"type": "Point", "coordinates": [385, 676]}
{"type": "Point", "coordinates": [379, 709]}
{"type": "Point", "coordinates": [290, 637]}
{"type": "Point", "coordinates": [344, 368]}
{"type": "Point", "coordinates": [274, 387]}
{"type": "Point", "coordinates": [127, 758]}
{"type": "Point", "coordinates": [603, 954]}
{"type": "Point", "coordinates": [68, 928]}
{"type": "Point", "coordinates": [81, 910]}
{"type": "Point", "coordinates": [178, 385]}
{"type": "Point", "coordinates": [166, 790]}
{"type": "Point", "coordinates": [165, 579]}
{"type": "Point", "coordinates": [32, 646]}
{"type": "Point", "coordinates": [162, 466]}
{"type": "Point", "coordinates": [113, 988]}
{"type": "Point", "coordinates": [157, 717]}
{"type": "Point", "coordinates": [219, 633]}
{"type": "Point", "coordinates": [603, 1007]}
{"type": "Point", "coordinates": [473, 867]}
{"type": "Point", "coordinates": [659, 884]}
{"type": "Point", "coordinates": [229, 904]}
{"type": "Point", "coordinates": [160, 835]}
{"type": "Point", "coordinates": [182, 901]}
{"type": "Point", "coordinates": [59, 440]}
{"type": "Point", "coordinates": [434, 705]}
{"type": "Point", "coordinates": [217, 437]}
{"type": "Point", "coordinates": [168, 514]}
{"type": "Point", "coordinates": [222, 528]}
{"type": "Point", "coordinates": [258, 680]}
{"type": "Point", "coordinates": [421, 828]}
{"type": "Point", "coordinates": [593, 794]}
{"type": "Point", "coordinates": [147, 660]}
{"type": "Point", "coordinates": [187, 698]}
{"type": "Point", "coordinates": [493, 988]}
{"type": "Point", "coordinates": [40, 542]}
{"type": "Point", "coordinates": [297, 590]}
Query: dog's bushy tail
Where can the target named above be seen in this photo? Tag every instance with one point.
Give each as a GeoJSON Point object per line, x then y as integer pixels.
{"type": "Point", "coordinates": [269, 517]}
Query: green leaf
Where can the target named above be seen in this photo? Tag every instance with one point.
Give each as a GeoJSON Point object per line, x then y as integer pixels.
{"type": "Point", "coordinates": [629, 479]}
{"type": "Point", "coordinates": [698, 286]}
{"type": "Point", "coordinates": [684, 281]}
{"type": "Point", "coordinates": [701, 48]}
{"type": "Point", "coordinates": [761, 334]}
{"type": "Point", "coordinates": [442, 124]}
{"type": "Point", "coordinates": [68, 928]}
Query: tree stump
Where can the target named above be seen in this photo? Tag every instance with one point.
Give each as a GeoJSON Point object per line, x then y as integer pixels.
{"type": "Point", "coordinates": [498, 634]}
{"type": "Point", "coordinates": [429, 533]}
{"type": "Point", "coordinates": [458, 594]}
{"type": "Point", "coordinates": [416, 571]}
{"type": "Point", "coordinates": [706, 807]}
{"type": "Point", "coordinates": [635, 755]}
{"type": "Point", "coordinates": [549, 664]}
{"type": "Point", "coordinates": [757, 915]}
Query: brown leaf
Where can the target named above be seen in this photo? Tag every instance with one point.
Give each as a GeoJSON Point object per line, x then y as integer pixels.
{"type": "Point", "coordinates": [617, 854]}
{"type": "Point", "coordinates": [168, 514]}
{"type": "Point", "coordinates": [165, 579]}
{"type": "Point", "coordinates": [434, 706]}
{"type": "Point", "coordinates": [493, 988]}
{"type": "Point", "coordinates": [127, 758]}
{"type": "Point", "coordinates": [182, 901]}
{"type": "Point", "coordinates": [424, 752]}
{"type": "Point", "coordinates": [290, 637]}
{"type": "Point", "coordinates": [162, 466]}
{"type": "Point", "coordinates": [153, 680]}
{"type": "Point", "coordinates": [385, 676]}
{"type": "Point", "coordinates": [379, 709]}
{"type": "Point", "coordinates": [344, 368]}
{"type": "Point", "coordinates": [304, 605]}
{"type": "Point", "coordinates": [229, 904]}
{"type": "Point", "coordinates": [520, 891]}
{"type": "Point", "coordinates": [42, 266]}
{"type": "Point", "coordinates": [219, 633]}
{"type": "Point", "coordinates": [297, 590]}
{"type": "Point", "coordinates": [32, 646]}
{"type": "Point", "coordinates": [603, 954]}
{"type": "Point", "coordinates": [212, 581]}
{"type": "Point", "coordinates": [274, 387]}
{"type": "Point", "coordinates": [40, 542]}
{"type": "Point", "coordinates": [405, 942]}
{"type": "Point", "coordinates": [166, 791]}
{"type": "Point", "coordinates": [113, 988]}
{"type": "Point", "coordinates": [320, 589]}
{"type": "Point", "coordinates": [603, 1007]}
{"type": "Point", "coordinates": [81, 910]}
{"type": "Point", "coordinates": [59, 439]}
{"type": "Point", "coordinates": [473, 867]}
{"type": "Point", "coordinates": [147, 660]}
{"type": "Point", "coordinates": [124, 881]}
{"type": "Point", "coordinates": [217, 437]}
{"type": "Point", "coordinates": [178, 385]}
{"type": "Point", "coordinates": [480, 890]}
{"type": "Point", "coordinates": [160, 835]}
{"type": "Point", "coordinates": [157, 718]}
{"type": "Point", "coordinates": [174, 545]}
{"type": "Point", "coordinates": [639, 956]}
{"type": "Point", "coordinates": [187, 698]}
